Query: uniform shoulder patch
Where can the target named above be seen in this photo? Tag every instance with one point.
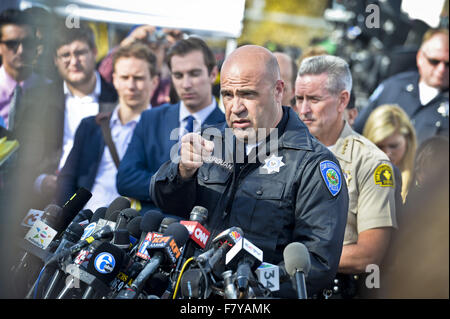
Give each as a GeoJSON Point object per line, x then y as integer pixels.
{"type": "Point", "coordinates": [332, 176]}
{"type": "Point", "coordinates": [384, 176]}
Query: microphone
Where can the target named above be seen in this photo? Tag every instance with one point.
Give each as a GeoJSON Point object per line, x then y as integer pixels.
{"type": "Point", "coordinates": [199, 214]}
{"type": "Point", "coordinates": [99, 213]}
{"type": "Point", "coordinates": [122, 239]}
{"type": "Point", "coordinates": [165, 254]}
{"type": "Point", "coordinates": [102, 268]}
{"type": "Point", "coordinates": [104, 264]}
{"type": "Point", "coordinates": [119, 204]}
{"type": "Point", "coordinates": [165, 223]}
{"type": "Point", "coordinates": [74, 205]}
{"type": "Point", "coordinates": [150, 222]}
{"type": "Point", "coordinates": [243, 258]}
{"type": "Point", "coordinates": [70, 236]}
{"type": "Point", "coordinates": [298, 263]}
{"type": "Point", "coordinates": [198, 235]}
{"type": "Point", "coordinates": [222, 244]}
{"type": "Point", "coordinates": [134, 229]}
{"type": "Point", "coordinates": [104, 233]}
{"type": "Point", "coordinates": [197, 232]}
{"type": "Point", "coordinates": [36, 245]}
{"type": "Point", "coordinates": [125, 216]}
{"type": "Point", "coordinates": [83, 217]}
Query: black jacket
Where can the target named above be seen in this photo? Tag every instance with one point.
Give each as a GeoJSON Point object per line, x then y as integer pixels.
{"type": "Point", "coordinates": [292, 205]}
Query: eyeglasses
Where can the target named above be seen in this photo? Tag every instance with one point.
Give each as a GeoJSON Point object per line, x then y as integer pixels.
{"type": "Point", "coordinates": [13, 45]}
{"type": "Point", "coordinates": [435, 62]}
{"type": "Point", "coordinates": [78, 54]}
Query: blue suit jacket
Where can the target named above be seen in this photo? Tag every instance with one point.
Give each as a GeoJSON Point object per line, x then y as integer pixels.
{"type": "Point", "coordinates": [149, 148]}
{"type": "Point", "coordinates": [80, 169]}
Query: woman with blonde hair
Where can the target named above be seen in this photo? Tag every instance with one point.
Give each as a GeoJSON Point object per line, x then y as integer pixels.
{"type": "Point", "coordinates": [390, 128]}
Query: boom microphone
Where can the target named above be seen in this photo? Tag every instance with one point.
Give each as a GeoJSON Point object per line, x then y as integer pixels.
{"type": "Point", "coordinates": [298, 263]}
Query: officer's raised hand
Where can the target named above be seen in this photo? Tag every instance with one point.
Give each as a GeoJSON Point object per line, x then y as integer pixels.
{"type": "Point", "coordinates": [194, 149]}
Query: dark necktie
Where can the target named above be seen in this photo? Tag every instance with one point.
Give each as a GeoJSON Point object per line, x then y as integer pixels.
{"type": "Point", "coordinates": [190, 124]}
{"type": "Point", "coordinates": [13, 107]}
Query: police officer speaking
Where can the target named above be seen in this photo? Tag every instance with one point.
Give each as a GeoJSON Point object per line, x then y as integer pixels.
{"type": "Point", "coordinates": [261, 171]}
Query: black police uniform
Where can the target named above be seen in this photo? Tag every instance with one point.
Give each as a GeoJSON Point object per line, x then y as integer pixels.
{"type": "Point", "coordinates": [403, 89]}
{"type": "Point", "coordinates": [275, 203]}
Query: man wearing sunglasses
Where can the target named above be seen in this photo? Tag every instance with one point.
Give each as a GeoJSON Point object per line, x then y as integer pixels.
{"type": "Point", "coordinates": [17, 51]}
{"type": "Point", "coordinates": [49, 114]}
{"type": "Point", "coordinates": [423, 94]}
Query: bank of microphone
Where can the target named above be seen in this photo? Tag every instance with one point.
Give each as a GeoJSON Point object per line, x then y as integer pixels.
{"type": "Point", "coordinates": [164, 252]}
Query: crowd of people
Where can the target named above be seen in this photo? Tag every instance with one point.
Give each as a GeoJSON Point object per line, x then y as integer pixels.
{"type": "Point", "coordinates": [356, 187]}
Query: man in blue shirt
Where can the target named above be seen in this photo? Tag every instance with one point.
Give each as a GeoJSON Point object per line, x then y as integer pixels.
{"type": "Point", "coordinates": [193, 71]}
{"type": "Point", "coordinates": [90, 163]}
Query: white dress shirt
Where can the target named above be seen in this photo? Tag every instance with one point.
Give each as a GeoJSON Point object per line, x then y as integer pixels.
{"type": "Point", "coordinates": [104, 190]}
{"type": "Point", "coordinates": [76, 109]}
{"type": "Point", "coordinates": [199, 116]}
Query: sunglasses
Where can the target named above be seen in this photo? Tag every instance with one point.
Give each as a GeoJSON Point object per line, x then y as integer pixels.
{"type": "Point", "coordinates": [435, 62]}
{"type": "Point", "coordinates": [13, 45]}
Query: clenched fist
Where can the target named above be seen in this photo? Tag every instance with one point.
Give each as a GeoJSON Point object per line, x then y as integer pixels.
{"type": "Point", "coordinates": [194, 150]}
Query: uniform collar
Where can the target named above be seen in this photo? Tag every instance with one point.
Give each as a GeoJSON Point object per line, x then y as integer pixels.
{"type": "Point", "coordinates": [342, 149]}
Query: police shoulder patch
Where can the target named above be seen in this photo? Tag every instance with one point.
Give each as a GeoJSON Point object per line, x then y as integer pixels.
{"type": "Point", "coordinates": [332, 176]}
{"type": "Point", "coordinates": [384, 175]}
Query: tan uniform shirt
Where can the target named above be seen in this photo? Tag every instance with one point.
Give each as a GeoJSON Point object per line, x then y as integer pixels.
{"type": "Point", "coordinates": [370, 181]}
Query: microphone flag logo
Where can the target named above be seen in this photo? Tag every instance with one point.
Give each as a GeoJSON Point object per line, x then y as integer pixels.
{"type": "Point", "coordinates": [40, 234]}
{"type": "Point", "coordinates": [104, 263]}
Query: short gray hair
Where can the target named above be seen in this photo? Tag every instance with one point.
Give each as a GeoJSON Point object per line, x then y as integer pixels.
{"type": "Point", "coordinates": [338, 71]}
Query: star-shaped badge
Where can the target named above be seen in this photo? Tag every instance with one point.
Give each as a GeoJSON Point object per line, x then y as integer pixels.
{"type": "Point", "coordinates": [273, 164]}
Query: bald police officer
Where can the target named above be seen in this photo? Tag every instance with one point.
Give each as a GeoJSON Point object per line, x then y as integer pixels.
{"type": "Point", "coordinates": [423, 94]}
{"type": "Point", "coordinates": [294, 194]}
{"type": "Point", "coordinates": [322, 93]}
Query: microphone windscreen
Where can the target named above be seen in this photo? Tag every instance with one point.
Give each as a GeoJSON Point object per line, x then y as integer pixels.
{"type": "Point", "coordinates": [296, 258]}
{"type": "Point", "coordinates": [99, 213]}
{"type": "Point", "coordinates": [53, 217]}
{"type": "Point", "coordinates": [75, 204]}
{"type": "Point", "coordinates": [119, 204]}
{"type": "Point", "coordinates": [165, 223]}
{"type": "Point", "coordinates": [134, 226]}
{"type": "Point", "coordinates": [199, 214]}
{"type": "Point", "coordinates": [179, 233]}
{"type": "Point", "coordinates": [106, 262]}
{"type": "Point", "coordinates": [121, 237]}
{"type": "Point", "coordinates": [112, 216]}
{"type": "Point", "coordinates": [125, 216]}
{"type": "Point", "coordinates": [85, 214]}
{"type": "Point", "coordinates": [74, 232]}
{"type": "Point", "coordinates": [151, 221]}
